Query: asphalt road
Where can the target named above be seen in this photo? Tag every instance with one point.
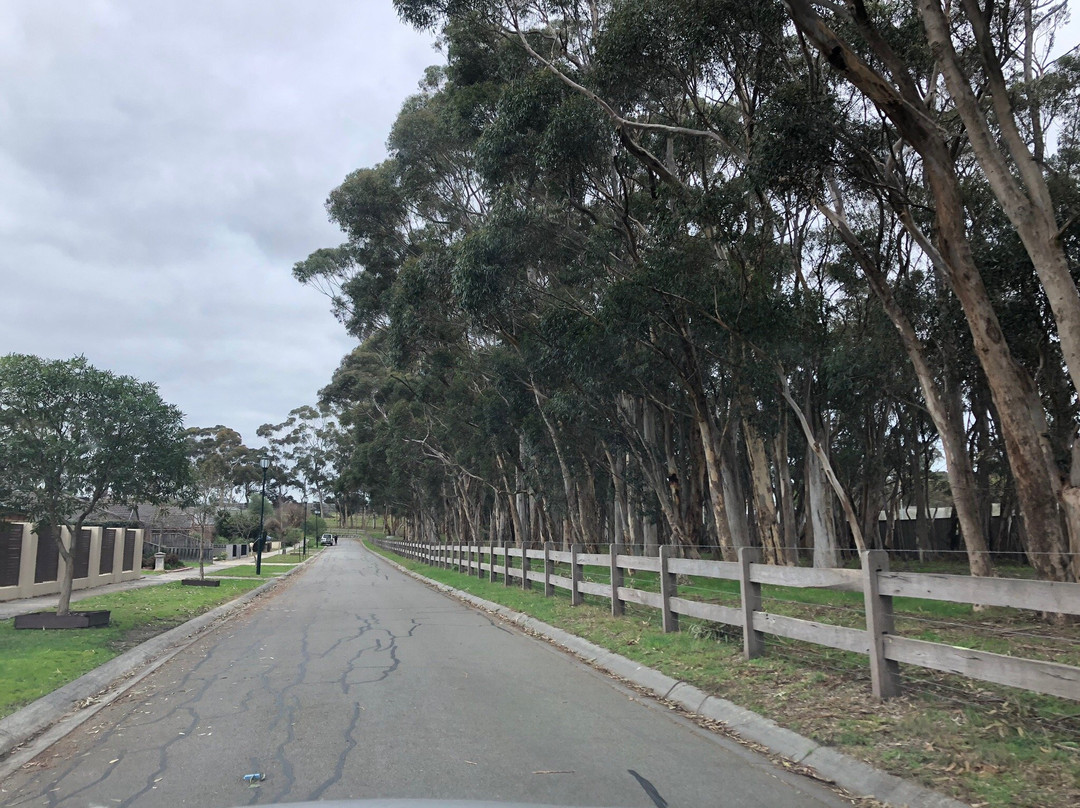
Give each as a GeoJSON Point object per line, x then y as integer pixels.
{"type": "Point", "coordinates": [355, 681]}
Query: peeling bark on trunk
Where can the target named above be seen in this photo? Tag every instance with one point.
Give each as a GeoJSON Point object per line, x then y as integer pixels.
{"type": "Point", "coordinates": [734, 497]}
{"type": "Point", "coordinates": [788, 527]}
{"type": "Point", "coordinates": [617, 467]}
{"type": "Point", "coordinates": [764, 504]}
{"type": "Point", "coordinates": [822, 520]}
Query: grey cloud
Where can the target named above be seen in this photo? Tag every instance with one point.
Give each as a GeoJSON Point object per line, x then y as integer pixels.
{"type": "Point", "coordinates": [164, 164]}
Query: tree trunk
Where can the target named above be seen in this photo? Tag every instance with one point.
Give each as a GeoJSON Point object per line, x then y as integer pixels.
{"type": "Point", "coordinates": [1029, 206]}
{"type": "Point", "coordinates": [788, 526]}
{"type": "Point", "coordinates": [617, 466]}
{"type": "Point", "coordinates": [944, 410]}
{"type": "Point", "coordinates": [734, 497]}
{"type": "Point", "coordinates": [922, 512]}
{"type": "Point", "coordinates": [764, 504]}
{"type": "Point", "coordinates": [1010, 386]}
{"type": "Point", "coordinates": [635, 521]}
{"type": "Point", "coordinates": [569, 487]}
{"type": "Point", "coordinates": [67, 580]}
{"type": "Point", "coordinates": [521, 521]}
{"type": "Point", "coordinates": [826, 465]}
{"type": "Point", "coordinates": [822, 520]}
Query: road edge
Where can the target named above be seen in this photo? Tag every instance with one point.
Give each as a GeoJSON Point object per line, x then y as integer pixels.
{"type": "Point", "coordinates": [78, 700]}
{"type": "Point", "coordinates": [830, 765]}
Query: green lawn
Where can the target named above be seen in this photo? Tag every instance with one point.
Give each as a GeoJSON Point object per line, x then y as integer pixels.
{"type": "Point", "coordinates": [977, 742]}
{"type": "Point", "coordinates": [248, 571]}
{"type": "Point", "coordinates": [34, 663]}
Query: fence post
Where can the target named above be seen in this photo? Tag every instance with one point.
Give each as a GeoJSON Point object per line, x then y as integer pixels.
{"type": "Point", "coordinates": [525, 582]}
{"type": "Point", "coordinates": [575, 576]}
{"type": "Point", "coordinates": [884, 673]}
{"type": "Point", "coordinates": [506, 562]}
{"type": "Point", "coordinates": [491, 559]}
{"type": "Point", "coordinates": [753, 641]}
{"type": "Point", "coordinates": [616, 581]}
{"type": "Point", "coordinates": [667, 591]}
{"type": "Point", "coordinates": [549, 588]}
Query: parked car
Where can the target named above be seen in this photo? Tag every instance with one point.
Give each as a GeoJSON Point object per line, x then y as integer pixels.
{"type": "Point", "coordinates": [327, 540]}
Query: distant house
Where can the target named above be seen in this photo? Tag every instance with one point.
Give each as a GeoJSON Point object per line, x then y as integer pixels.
{"type": "Point", "coordinates": [164, 525]}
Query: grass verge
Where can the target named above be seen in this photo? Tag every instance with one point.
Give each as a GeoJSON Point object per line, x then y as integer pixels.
{"type": "Point", "coordinates": [986, 745]}
{"type": "Point", "coordinates": [34, 663]}
{"type": "Point", "coordinates": [248, 571]}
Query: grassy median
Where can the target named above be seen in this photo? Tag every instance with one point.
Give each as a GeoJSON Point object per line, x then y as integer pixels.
{"type": "Point", "coordinates": [34, 663]}
{"type": "Point", "coordinates": [986, 745]}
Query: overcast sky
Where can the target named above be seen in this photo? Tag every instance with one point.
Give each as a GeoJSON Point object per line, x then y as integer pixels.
{"type": "Point", "coordinates": [163, 164]}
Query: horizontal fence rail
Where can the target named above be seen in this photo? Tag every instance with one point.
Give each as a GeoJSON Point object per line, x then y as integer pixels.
{"type": "Point", "coordinates": [877, 640]}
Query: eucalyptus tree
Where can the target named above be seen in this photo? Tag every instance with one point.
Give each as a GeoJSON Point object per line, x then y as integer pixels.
{"type": "Point", "coordinates": [674, 82]}
{"type": "Point", "coordinates": [961, 70]}
{"type": "Point", "coordinates": [303, 448]}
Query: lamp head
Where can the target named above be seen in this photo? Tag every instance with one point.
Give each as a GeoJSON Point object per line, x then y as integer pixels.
{"type": "Point", "coordinates": [264, 462]}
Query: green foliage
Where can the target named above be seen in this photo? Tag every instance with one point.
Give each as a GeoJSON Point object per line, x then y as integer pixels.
{"type": "Point", "coordinates": [72, 435]}
{"type": "Point", "coordinates": [598, 247]}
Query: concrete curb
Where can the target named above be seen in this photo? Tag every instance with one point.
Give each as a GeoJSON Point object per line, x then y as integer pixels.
{"type": "Point", "coordinates": [38, 716]}
{"type": "Point", "coordinates": [832, 766]}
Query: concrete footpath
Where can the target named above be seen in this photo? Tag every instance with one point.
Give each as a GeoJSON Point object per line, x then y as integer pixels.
{"type": "Point", "coordinates": [13, 608]}
{"type": "Point", "coordinates": [827, 764]}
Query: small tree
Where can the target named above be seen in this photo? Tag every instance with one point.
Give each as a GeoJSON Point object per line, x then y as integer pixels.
{"type": "Point", "coordinates": [73, 436]}
{"type": "Point", "coordinates": [218, 466]}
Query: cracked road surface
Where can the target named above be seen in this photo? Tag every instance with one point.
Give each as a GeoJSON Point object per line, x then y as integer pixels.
{"type": "Point", "coordinates": [354, 681]}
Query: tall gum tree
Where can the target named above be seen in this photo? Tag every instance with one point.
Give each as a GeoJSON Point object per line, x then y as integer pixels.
{"type": "Point", "coordinates": [896, 95]}
{"type": "Point", "coordinates": [1042, 487]}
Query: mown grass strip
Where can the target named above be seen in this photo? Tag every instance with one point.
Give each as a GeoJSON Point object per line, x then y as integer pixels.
{"type": "Point", "coordinates": [248, 571]}
{"type": "Point", "coordinates": [34, 663]}
{"type": "Point", "coordinates": [983, 744]}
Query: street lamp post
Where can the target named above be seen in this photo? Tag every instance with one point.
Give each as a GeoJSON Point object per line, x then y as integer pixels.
{"type": "Point", "coordinates": [261, 540]}
{"type": "Point", "coordinates": [303, 554]}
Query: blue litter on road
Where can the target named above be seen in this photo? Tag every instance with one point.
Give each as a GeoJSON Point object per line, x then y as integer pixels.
{"type": "Point", "coordinates": [255, 778]}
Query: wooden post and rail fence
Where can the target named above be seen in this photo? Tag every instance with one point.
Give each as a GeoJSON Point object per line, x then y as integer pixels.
{"type": "Point", "coordinates": [878, 585]}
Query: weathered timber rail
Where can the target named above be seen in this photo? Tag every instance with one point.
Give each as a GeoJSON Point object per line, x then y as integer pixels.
{"type": "Point", "coordinates": [877, 641]}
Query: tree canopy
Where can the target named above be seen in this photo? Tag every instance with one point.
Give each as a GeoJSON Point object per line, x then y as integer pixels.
{"type": "Point", "coordinates": [73, 436]}
{"type": "Point", "coordinates": [721, 275]}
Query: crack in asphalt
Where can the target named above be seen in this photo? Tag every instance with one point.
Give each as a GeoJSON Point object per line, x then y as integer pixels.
{"type": "Point", "coordinates": [299, 694]}
{"type": "Point", "coordinates": [145, 709]}
{"type": "Point", "coordinates": [339, 766]}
